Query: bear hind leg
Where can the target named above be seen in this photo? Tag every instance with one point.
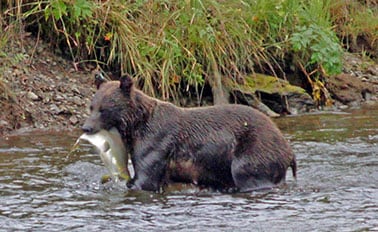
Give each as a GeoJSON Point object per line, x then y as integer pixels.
{"type": "Point", "coordinates": [247, 177]}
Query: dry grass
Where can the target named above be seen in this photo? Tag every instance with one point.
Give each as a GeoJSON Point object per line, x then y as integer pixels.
{"type": "Point", "coordinates": [356, 20]}
{"type": "Point", "coordinates": [177, 46]}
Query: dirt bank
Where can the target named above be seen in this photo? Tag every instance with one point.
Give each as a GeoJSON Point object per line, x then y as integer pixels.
{"type": "Point", "coordinates": [41, 90]}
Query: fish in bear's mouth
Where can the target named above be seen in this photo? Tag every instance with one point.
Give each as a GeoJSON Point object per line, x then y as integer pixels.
{"type": "Point", "coordinates": [109, 145]}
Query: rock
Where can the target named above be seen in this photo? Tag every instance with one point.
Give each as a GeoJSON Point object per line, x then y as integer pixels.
{"type": "Point", "coordinates": [77, 100]}
{"type": "Point", "coordinates": [58, 97]}
{"type": "Point", "coordinates": [32, 96]}
{"type": "Point", "coordinates": [54, 109]}
{"type": "Point", "coordinates": [73, 120]}
{"type": "Point", "coordinates": [373, 70]}
{"type": "Point", "coordinates": [3, 123]}
{"type": "Point", "coordinates": [65, 110]}
{"type": "Point", "coordinates": [277, 94]}
{"type": "Point", "coordinates": [343, 107]}
{"type": "Point", "coordinates": [299, 103]}
{"type": "Point", "coordinates": [348, 89]}
{"type": "Point", "coordinates": [75, 90]}
{"type": "Point", "coordinates": [368, 96]}
{"type": "Point", "coordinates": [46, 99]}
{"type": "Point", "coordinates": [252, 100]}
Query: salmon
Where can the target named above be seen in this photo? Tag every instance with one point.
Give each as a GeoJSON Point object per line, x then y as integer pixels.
{"type": "Point", "coordinates": [110, 147]}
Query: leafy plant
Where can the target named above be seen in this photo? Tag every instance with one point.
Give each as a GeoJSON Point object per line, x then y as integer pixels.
{"type": "Point", "coordinates": [315, 45]}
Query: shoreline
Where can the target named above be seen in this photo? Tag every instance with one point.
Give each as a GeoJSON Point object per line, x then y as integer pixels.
{"type": "Point", "coordinates": [46, 92]}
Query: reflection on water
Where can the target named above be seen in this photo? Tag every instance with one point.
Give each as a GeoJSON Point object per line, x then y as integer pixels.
{"type": "Point", "coordinates": [43, 188]}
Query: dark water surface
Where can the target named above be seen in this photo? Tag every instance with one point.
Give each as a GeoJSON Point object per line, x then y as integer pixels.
{"type": "Point", "coordinates": [44, 189]}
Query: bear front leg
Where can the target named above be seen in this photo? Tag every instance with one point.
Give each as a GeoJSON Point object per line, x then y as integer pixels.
{"type": "Point", "coordinates": [149, 171]}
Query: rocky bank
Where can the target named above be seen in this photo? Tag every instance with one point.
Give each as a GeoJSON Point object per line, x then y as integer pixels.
{"type": "Point", "coordinates": [41, 90]}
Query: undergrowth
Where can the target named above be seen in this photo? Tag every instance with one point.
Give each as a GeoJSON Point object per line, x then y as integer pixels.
{"type": "Point", "coordinates": [356, 24]}
{"type": "Point", "coordinates": [175, 46]}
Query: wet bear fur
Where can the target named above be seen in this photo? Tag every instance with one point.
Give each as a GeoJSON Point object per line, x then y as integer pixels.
{"type": "Point", "coordinates": [224, 147]}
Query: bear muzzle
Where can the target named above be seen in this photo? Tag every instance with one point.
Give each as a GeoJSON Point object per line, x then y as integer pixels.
{"type": "Point", "coordinates": [88, 129]}
{"type": "Point", "coordinates": [92, 124]}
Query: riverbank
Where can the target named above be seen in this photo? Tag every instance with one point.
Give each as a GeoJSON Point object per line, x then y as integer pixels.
{"type": "Point", "coordinates": [44, 91]}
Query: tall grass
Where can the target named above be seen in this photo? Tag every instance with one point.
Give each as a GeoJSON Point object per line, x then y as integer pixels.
{"type": "Point", "coordinates": [180, 45]}
{"type": "Point", "coordinates": [354, 19]}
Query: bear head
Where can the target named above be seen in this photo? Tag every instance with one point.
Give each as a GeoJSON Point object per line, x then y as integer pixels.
{"type": "Point", "coordinates": [112, 105]}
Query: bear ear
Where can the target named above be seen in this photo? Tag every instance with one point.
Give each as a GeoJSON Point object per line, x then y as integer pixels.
{"type": "Point", "coordinates": [99, 79]}
{"type": "Point", "coordinates": [126, 84]}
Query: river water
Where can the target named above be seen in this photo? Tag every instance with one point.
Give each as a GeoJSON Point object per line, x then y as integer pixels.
{"type": "Point", "coordinates": [42, 188]}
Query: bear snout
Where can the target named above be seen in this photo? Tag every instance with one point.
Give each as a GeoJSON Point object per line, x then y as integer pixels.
{"type": "Point", "coordinates": [92, 124]}
{"type": "Point", "coordinates": [88, 129]}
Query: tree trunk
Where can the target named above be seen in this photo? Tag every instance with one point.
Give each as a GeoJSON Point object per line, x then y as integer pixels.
{"type": "Point", "coordinates": [215, 81]}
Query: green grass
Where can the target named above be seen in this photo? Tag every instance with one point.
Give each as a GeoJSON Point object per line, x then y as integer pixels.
{"type": "Point", "coordinates": [173, 46]}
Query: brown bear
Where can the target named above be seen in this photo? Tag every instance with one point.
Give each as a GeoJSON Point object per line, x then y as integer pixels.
{"type": "Point", "coordinates": [223, 147]}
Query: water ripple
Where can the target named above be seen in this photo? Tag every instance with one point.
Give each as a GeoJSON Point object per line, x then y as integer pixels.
{"type": "Point", "coordinates": [42, 188]}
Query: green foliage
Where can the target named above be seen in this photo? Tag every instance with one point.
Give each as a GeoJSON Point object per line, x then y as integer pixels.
{"type": "Point", "coordinates": [315, 45]}
{"type": "Point", "coordinates": [56, 9]}
{"type": "Point", "coordinates": [73, 19]}
{"type": "Point", "coordinates": [314, 41]}
{"type": "Point", "coordinates": [172, 45]}
{"type": "Point", "coordinates": [78, 10]}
